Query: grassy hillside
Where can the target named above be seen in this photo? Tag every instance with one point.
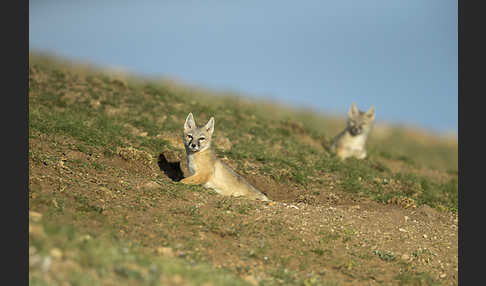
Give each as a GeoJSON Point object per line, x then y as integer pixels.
{"type": "Point", "coordinates": [100, 148]}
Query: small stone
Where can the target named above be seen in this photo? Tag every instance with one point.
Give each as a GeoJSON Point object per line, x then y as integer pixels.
{"type": "Point", "coordinates": [94, 103]}
{"type": "Point", "coordinates": [105, 192]}
{"type": "Point", "coordinates": [35, 260]}
{"type": "Point", "coordinates": [177, 279]}
{"type": "Point", "coordinates": [405, 257]}
{"type": "Point", "coordinates": [443, 275]}
{"type": "Point", "coordinates": [150, 186]}
{"type": "Point", "coordinates": [56, 253]}
{"type": "Point", "coordinates": [46, 264]}
{"type": "Point", "coordinates": [32, 250]}
{"type": "Point", "coordinates": [402, 230]}
{"type": "Point", "coordinates": [36, 231]}
{"type": "Point", "coordinates": [165, 251]}
{"type": "Point", "coordinates": [35, 216]}
{"type": "Point", "coordinates": [250, 279]}
{"type": "Point", "coordinates": [425, 236]}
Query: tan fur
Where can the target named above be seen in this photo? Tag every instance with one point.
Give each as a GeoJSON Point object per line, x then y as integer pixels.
{"type": "Point", "coordinates": [207, 170]}
{"type": "Point", "coordinates": [345, 144]}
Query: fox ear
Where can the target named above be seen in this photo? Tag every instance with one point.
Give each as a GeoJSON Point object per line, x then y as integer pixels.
{"type": "Point", "coordinates": [371, 112]}
{"type": "Point", "coordinates": [353, 110]}
{"type": "Point", "coordinates": [209, 127]}
{"type": "Point", "coordinates": [189, 124]}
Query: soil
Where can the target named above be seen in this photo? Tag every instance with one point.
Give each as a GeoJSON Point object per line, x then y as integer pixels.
{"type": "Point", "coordinates": [337, 236]}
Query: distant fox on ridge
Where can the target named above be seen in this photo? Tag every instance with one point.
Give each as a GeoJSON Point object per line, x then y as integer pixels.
{"type": "Point", "coordinates": [352, 140]}
{"type": "Point", "coordinates": [206, 169]}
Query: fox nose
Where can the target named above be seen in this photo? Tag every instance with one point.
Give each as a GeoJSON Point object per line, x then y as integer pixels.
{"type": "Point", "coordinates": [193, 145]}
{"type": "Point", "coordinates": [355, 130]}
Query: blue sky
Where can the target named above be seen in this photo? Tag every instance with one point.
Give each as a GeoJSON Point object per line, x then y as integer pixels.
{"type": "Point", "coordinates": [400, 56]}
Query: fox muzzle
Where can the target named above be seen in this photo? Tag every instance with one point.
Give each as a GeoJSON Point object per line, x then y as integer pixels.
{"type": "Point", "coordinates": [355, 131]}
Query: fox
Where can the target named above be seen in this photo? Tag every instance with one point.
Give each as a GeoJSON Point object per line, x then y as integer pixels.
{"type": "Point", "coordinates": [352, 140]}
{"type": "Point", "coordinates": [208, 170]}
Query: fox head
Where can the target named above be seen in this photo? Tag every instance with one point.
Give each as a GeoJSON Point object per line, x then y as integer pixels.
{"type": "Point", "coordinates": [195, 138]}
{"type": "Point", "coordinates": [360, 122]}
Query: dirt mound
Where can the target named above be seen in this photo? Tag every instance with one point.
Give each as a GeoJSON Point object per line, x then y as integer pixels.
{"type": "Point", "coordinates": [105, 158]}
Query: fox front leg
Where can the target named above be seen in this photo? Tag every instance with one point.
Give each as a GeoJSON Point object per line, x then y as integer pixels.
{"type": "Point", "coordinates": [196, 179]}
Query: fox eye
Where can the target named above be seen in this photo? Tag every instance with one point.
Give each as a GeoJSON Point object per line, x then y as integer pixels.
{"type": "Point", "coordinates": [202, 139]}
{"type": "Point", "coordinates": [189, 136]}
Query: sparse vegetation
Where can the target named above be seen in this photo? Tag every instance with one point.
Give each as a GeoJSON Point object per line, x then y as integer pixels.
{"type": "Point", "coordinates": [84, 259]}
{"type": "Point", "coordinates": [111, 215]}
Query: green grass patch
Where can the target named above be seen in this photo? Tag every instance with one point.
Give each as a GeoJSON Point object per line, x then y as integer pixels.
{"type": "Point", "coordinates": [100, 259]}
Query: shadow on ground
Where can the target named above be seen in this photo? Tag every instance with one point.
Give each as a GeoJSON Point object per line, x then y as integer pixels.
{"type": "Point", "coordinates": [171, 166]}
